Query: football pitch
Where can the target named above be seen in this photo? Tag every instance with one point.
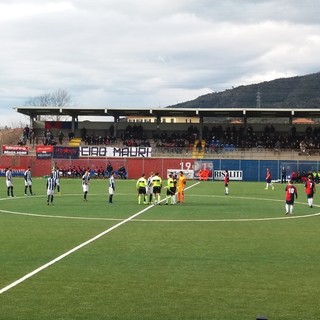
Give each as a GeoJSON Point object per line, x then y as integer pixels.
{"type": "Point", "coordinates": [214, 257]}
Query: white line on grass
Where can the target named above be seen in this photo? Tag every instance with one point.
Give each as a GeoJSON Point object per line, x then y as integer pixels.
{"type": "Point", "coordinates": [29, 275]}
{"type": "Point", "coordinates": [231, 220]}
{"type": "Point", "coordinates": [34, 272]}
{"type": "Point", "coordinates": [176, 220]}
{"type": "Point", "coordinates": [59, 217]}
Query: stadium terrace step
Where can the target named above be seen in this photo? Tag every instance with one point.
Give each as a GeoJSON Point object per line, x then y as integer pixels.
{"type": "Point", "coordinates": [198, 153]}
{"type": "Point", "coordinates": [75, 142]}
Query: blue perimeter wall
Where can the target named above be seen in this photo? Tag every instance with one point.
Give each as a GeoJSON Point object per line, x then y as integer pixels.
{"type": "Point", "coordinates": [255, 170]}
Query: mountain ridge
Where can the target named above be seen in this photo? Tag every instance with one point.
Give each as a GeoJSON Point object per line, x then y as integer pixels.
{"type": "Point", "coordinates": [293, 92]}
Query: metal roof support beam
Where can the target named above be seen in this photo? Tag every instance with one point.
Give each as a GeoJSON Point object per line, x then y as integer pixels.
{"type": "Point", "coordinates": [200, 127]}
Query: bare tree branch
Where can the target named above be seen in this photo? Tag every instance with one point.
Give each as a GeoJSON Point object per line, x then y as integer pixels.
{"type": "Point", "coordinates": [59, 98]}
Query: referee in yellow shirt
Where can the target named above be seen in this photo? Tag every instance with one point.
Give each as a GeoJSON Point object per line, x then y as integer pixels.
{"type": "Point", "coordinates": [141, 188]}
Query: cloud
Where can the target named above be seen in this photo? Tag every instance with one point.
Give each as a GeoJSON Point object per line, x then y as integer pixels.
{"type": "Point", "coordinates": [136, 53]}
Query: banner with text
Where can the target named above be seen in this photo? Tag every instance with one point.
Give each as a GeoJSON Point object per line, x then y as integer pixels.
{"type": "Point", "coordinates": [66, 152]}
{"type": "Point", "coordinates": [108, 152]}
{"type": "Point", "coordinates": [233, 174]}
{"type": "Point", "coordinates": [44, 152]}
{"type": "Point", "coordinates": [16, 171]}
{"type": "Point", "coordinates": [15, 150]}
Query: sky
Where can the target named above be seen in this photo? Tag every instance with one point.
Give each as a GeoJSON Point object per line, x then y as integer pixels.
{"type": "Point", "coordinates": [149, 54]}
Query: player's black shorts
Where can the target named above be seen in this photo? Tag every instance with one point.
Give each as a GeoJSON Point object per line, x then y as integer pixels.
{"type": "Point", "coordinates": [156, 189]}
{"type": "Point", "coordinates": [142, 190]}
{"type": "Point", "coordinates": [310, 195]}
{"type": "Point", "coordinates": [171, 191]}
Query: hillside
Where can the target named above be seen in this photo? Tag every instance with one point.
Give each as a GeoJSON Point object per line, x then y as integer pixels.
{"type": "Point", "coordinates": [294, 92]}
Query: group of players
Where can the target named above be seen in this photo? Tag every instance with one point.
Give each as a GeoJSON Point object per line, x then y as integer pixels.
{"type": "Point", "coordinates": [27, 182]}
{"type": "Point", "coordinates": [149, 190]}
{"type": "Point", "coordinates": [291, 191]}
{"type": "Point", "coordinates": [53, 183]}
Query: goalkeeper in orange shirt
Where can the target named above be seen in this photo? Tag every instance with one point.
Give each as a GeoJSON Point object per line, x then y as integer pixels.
{"type": "Point", "coordinates": [181, 185]}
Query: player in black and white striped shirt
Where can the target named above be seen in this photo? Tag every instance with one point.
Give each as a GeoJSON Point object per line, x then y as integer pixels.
{"type": "Point", "coordinates": [9, 182]}
{"type": "Point", "coordinates": [56, 177]}
{"type": "Point", "coordinates": [27, 182]}
{"type": "Point", "coordinates": [85, 184]}
{"type": "Point", "coordinates": [50, 189]}
{"type": "Point", "coordinates": [111, 187]}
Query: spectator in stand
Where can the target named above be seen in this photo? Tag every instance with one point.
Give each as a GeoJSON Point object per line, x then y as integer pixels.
{"type": "Point", "coordinates": [109, 169]}
{"type": "Point", "coordinates": [27, 131]}
{"type": "Point", "coordinates": [32, 137]}
{"type": "Point", "coordinates": [96, 172]}
{"type": "Point", "coordinates": [20, 142]}
{"type": "Point", "coordinates": [277, 147]}
{"type": "Point", "coordinates": [60, 136]}
{"type": "Point", "coordinates": [122, 172]}
{"type": "Point", "coordinates": [70, 135]}
{"type": "Point", "coordinates": [303, 148]}
{"type": "Point", "coordinates": [83, 133]}
{"type": "Point", "coordinates": [199, 146]}
{"type": "Point", "coordinates": [100, 173]}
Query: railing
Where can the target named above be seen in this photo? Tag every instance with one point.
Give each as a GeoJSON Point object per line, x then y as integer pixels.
{"type": "Point", "coordinates": [221, 152]}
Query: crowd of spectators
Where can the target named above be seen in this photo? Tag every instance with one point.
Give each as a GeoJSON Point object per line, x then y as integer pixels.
{"type": "Point", "coordinates": [98, 172]}
{"type": "Point", "coordinates": [217, 139]}
{"type": "Point", "coordinates": [269, 139]}
{"type": "Point", "coordinates": [301, 176]}
{"type": "Point", "coordinates": [27, 135]}
{"type": "Point", "coordinates": [99, 139]}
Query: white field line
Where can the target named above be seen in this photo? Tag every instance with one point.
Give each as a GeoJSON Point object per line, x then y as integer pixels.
{"type": "Point", "coordinates": [34, 272]}
{"type": "Point", "coordinates": [175, 220]}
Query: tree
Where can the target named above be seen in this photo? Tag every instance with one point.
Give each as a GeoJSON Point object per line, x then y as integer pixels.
{"type": "Point", "coordinates": [59, 98]}
{"type": "Point", "coordinates": [10, 136]}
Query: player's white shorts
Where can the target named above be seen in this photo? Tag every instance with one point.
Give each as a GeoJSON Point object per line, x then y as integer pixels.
{"type": "Point", "coordinates": [50, 192]}
{"type": "Point", "coordinates": [9, 183]}
{"type": "Point", "coordinates": [27, 183]}
{"type": "Point", "coordinates": [57, 182]}
{"type": "Point", "coordinates": [149, 190]}
{"type": "Point", "coordinates": [111, 191]}
{"type": "Point", "coordinates": [85, 187]}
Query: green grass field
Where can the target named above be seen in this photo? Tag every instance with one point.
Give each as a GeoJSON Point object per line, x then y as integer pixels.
{"type": "Point", "coordinates": [213, 257]}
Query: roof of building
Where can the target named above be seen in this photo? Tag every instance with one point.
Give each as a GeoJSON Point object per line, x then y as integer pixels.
{"type": "Point", "coordinates": [170, 112]}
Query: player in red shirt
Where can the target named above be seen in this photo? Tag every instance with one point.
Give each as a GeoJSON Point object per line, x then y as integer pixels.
{"type": "Point", "coordinates": [268, 180]}
{"type": "Point", "coordinates": [226, 182]}
{"type": "Point", "coordinates": [291, 192]}
{"type": "Point", "coordinates": [310, 188]}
